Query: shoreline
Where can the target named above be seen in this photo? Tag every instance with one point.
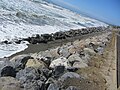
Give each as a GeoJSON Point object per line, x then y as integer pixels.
{"type": "Point", "coordinates": [35, 48]}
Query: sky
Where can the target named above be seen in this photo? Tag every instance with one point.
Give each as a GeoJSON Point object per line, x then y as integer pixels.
{"type": "Point", "coordinates": [104, 10]}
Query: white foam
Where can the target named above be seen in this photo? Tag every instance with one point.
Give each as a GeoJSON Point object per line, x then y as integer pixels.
{"type": "Point", "coordinates": [57, 18]}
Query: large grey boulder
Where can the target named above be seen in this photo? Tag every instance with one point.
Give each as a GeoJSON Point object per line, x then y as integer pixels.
{"type": "Point", "coordinates": [89, 51]}
{"type": "Point", "coordinates": [35, 63]}
{"type": "Point", "coordinates": [62, 61]}
{"type": "Point", "coordinates": [20, 61]}
{"type": "Point", "coordinates": [29, 74]}
{"type": "Point", "coordinates": [46, 54]}
{"type": "Point", "coordinates": [58, 71]}
{"type": "Point", "coordinates": [74, 58]}
{"type": "Point", "coordinates": [8, 71]}
{"type": "Point", "coordinates": [31, 78]}
{"type": "Point", "coordinates": [64, 52]}
{"type": "Point", "coordinates": [54, 52]}
{"type": "Point", "coordinates": [34, 85]}
{"type": "Point", "coordinates": [80, 65]}
{"type": "Point", "coordinates": [53, 87]}
{"type": "Point", "coordinates": [4, 65]}
{"type": "Point", "coordinates": [69, 75]}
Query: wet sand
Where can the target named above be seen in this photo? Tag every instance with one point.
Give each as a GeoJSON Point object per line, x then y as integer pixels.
{"type": "Point", "coordinates": [34, 48]}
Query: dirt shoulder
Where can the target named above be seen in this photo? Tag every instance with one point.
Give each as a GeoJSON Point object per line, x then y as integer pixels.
{"type": "Point", "coordinates": [102, 68]}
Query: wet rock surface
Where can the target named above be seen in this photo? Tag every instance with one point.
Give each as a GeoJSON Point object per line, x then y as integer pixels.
{"type": "Point", "coordinates": [51, 69]}
{"type": "Point", "coordinates": [44, 38]}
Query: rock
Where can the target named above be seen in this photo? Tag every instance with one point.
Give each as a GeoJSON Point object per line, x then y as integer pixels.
{"type": "Point", "coordinates": [85, 58]}
{"type": "Point", "coordinates": [9, 83]}
{"type": "Point", "coordinates": [50, 80]}
{"type": "Point", "coordinates": [69, 75]}
{"type": "Point", "coordinates": [35, 63]}
{"type": "Point", "coordinates": [5, 63]}
{"type": "Point", "coordinates": [20, 61]}
{"type": "Point", "coordinates": [80, 65]}
{"type": "Point", "coordinates": [53, 87]}
{"type": "Point", "coordinates": [99, 50]}
{"type": "Point", "coordinates": [62, 61]}
{"type": "Point", "coordinates": [47, 37]}
{"type": "Point", "coordinates": [63, 51]}
{"type": "Point", "coordinates": [79, 45]}
{"type": "Point", "coordinates": [58, 71]}
{"type": "Point", "coordinates": [30, 74]}
{"type": "Point", "coordinates": [59, 35]}
{"type": "Point", "coordinates": [46, 72]}
{"type": "Point", "coordinates": [46, 54]}
{"type": "Point", "coordinates": [46, 60]}
{"type": "Point", "coordinates": [89, 51]}
{"type": "Point", "coordinates": [34, 85]}
{"type": "Point", "coordinates": [54, 53]}
{"type": "Point", "coordinates": [72, 88]}
{"type": "Point", "coordinates": [8, 71]}
{"type": "Point", "coordinates": [72, 69]}
{"type": "Point", "coordinates": [72, 49]}
{"type": "Point", "coordinates": [74, 58]}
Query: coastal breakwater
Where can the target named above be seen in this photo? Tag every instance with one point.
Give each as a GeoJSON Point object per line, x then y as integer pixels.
{"type": "Point", "coordinates": [38, 43]}
{"type": "Point", "coordinates": [67, 67]}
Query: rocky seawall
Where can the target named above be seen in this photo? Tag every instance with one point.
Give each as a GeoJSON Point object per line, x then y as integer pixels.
{"type": "Point", "coordinates": [56, 68]}
{"type": "Point", "coordinates": [45, 38]}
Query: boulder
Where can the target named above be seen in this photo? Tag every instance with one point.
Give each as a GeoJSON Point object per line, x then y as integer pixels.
{"type": "Point", "coordinates": [100, 50]}
{"type": "Point", "coordinates": [72, 69]}
{"type": "Point", "coordinates": [74, 58]}
{"type": "Point", "coordinates": [46, 54]}
{"type": "Point", "coordinates": [69, 75]}
{"type": "Point", "coordinates": [54, 53]}
{"type": "Point", "coordinates": [72, 88]}
{"type": "Point", "coordinates": [62, 61]}
{"type": "Point", "coordinates": [30, 74]}
{"type": "Point", "coordinates": [53, 87]}
{"type": "Point", "coordinates": [20, 61]}
{"type": "Point", "coordinates": [8, 71]}
{"type": "Point", "coordinates": [85, 58]}
{"type": "Point", "coordinates": [46, 72]}
{"type": "Point", "coordinates": [72, 49]}
{"type": "Point", "coordinates": [79, 45]}
{"type": "Point", "coordinates": [46, 60]}
{"type": "Point", "coordinates": [80, 65]}
{"type": "Point", "coordinates": [5, 63]}
{"type": "Point", "coordinates": [35, 63]}
{"type": "Point", "coordinates": [63, 51]}
{"type": "Point", "coordinates": [89, 51]}
{"type": "Point", "coordinates": [34, 85]}
{"type": "Point", "coordinates": [9, 83]}
{"type": "Point", "coordinates": [59, 35]}
{"type": "Point", "coordinates": [58, 71]}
